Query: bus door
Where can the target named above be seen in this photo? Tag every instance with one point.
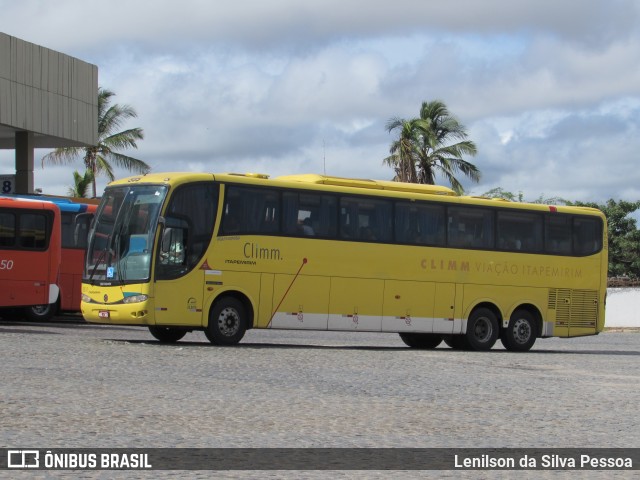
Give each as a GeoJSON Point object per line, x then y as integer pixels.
{"type": "Point", "coordinates": [185, 235]}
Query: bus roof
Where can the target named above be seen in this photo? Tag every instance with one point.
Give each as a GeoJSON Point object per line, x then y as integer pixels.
{"type": "Point", "coordinates": [312, 179]}
{"type": "Point", "coordinates": [371, 184]}
{"type": "Point", "coordinates": [64, 204]}
{"type": "Point", "coordinates": [315, 180]}
{"type": "Point", "coordinates": [17, 202]}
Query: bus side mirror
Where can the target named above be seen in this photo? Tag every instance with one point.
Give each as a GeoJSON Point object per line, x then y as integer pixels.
{"type": "Point", "coordinates": [173, 234]}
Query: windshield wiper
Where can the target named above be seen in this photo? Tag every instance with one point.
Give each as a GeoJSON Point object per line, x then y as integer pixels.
{"type": "Point", "coordinates": [113, 236]}
{"type": "Point", "coordinates": [100, 258]}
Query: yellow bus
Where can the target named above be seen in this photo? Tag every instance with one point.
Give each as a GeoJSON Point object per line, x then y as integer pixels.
{"type": "Point", "coordinates": [224, 253]}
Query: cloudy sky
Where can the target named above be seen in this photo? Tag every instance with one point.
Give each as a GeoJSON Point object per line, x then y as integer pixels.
{"type": "Point", "coordinates": [548, 90]}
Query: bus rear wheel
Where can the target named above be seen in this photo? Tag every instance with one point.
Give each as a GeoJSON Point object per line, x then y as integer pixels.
{"type": "Point", "coordinates": [482, 329]}
{"type": "Point", "coordinates": [520, 334]}
{"type": "Point", "coordinates": [167, 334]}
{"type": "Point", "coordinates": [227, 322]}
{"type": "Point", "coordinates": [40, 313]}
{"type": "Point", "coordinates": [421, 340]}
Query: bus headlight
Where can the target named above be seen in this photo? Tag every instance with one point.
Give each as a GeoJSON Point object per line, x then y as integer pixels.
{"type": "Point", "coordinates": [87, 299]}
{"type": "Point", "coordinates": [135, 299]}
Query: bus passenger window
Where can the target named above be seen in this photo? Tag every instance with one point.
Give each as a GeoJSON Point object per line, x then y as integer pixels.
{"type": "Point", "coordinates": [366, 219]}
{"type": "Point", "coordinates": [32, 233]}
{"type": "Point", "coordinates": [587, 238]}
{"type": "Point", "coordinates": [419, 224]}
{"type": "Point", "coordinates": [309, 214]}
{"type": "Point", "coordinates": [558, 237]}
{"type": "Point", "coordinates": [7, 229]}
{"type": "Point", "coordinates": [470, 227]}
{"type": "Point", "coordinates": [519, 231]}
{"type": "Point", "coordinates": [250, 210]}
{"type": "Point", "coordinates": [307, 228]}
{"type": "Point", "coordinates": [230, 223]}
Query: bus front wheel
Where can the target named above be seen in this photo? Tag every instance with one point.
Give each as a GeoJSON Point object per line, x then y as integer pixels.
{"type": "Point", "coordinates": [520, 334]}
{"type": "Point", "coordinates": [482, 329]}
{"type": "Point", "coordinates": [421, 340]}
{"type": "Point", "coordinates": [227, 322]}
{"type": "Point", "coordinates": [167, 334]}
{"type": "Point", "coordinates": [457, 342]}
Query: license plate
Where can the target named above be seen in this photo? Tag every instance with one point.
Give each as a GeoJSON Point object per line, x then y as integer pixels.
{"type": "Point", "coordinates": [103, 314]}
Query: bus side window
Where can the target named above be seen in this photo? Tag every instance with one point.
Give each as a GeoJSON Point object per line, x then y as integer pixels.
{"type": "Point", "coordinates": [324, 209]}
{"type": "Point", "coordinates": [470, 227]}
{"type": "Point", "coordinates": [420, 224]}
{"type": "Point", "coordinates": [587, 236]}
{"type": "Point", "coordinates": [558, 237]}
{"type": "Point", "coordinates": [32, 231]}
{"type": "Point", "coordinates": [66, 224]}
{"type": "Point", "coordinates": [189, 220]}
{"type": "Point", "coordinates": [519, 231]}
{"type": "Point", "coordinates": [366, 219]}
{"type": "Point", "coordinates": [81, 229]}
{"type": "Point", "coordinates": [7, 229]}
{"type": "Point", "coordinates": [250, 210]}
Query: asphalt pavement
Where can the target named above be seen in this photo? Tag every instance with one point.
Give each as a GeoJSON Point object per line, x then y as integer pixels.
{"type": "Point", "coordinates": [67, 384]}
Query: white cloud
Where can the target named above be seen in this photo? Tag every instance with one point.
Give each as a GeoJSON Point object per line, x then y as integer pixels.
{"type": "Point", "coordinates": [549, 91]}
{"type": "Point", "coordinates": [290, 23]}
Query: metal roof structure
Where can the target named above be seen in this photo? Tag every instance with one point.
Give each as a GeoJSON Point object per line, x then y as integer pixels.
{"type": "Point", "coordinates": [47, 100]}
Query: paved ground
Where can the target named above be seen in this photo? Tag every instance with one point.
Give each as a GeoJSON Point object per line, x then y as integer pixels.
{"type": "Point", "coordinates": [70, 385]}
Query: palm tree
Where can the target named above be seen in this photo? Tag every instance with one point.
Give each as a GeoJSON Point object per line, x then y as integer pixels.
{"type": "Point", "coordinates": [81, 183]}
{"type": "Point", "coordinates": [423, 148]}
{"type": "Point", "coordinates": [99, 158]}
{"type": "Point", "coordinates": [403, 150]}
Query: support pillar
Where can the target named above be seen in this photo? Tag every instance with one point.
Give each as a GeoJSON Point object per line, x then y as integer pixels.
{"type": "Point", "coordinates": [24, 162]}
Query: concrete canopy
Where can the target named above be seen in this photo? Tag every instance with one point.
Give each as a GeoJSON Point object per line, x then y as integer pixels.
{"type": "Point", "coordinates": [47, 100]}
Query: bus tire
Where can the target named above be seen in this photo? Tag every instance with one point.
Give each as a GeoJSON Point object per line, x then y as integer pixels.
{"type": "Point", "coordinates": [227, 322]}
{"type": "Point", "coordinates": [167, 334]}
{"type": "Point", "coordinates": [520, 334]}
{"type": "Point", "coordinates": [41, 313]}
{"type": "Point", "coordinates": [483, 329]}
{"type": "Point", "coordinates": [421, 340]}
{"type": "Point", "coordinates": [457, 342]}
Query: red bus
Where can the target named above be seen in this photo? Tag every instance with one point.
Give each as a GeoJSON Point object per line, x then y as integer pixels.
{"type": "Point", "coordinates": [42, 246]}
{"type": "Point", "coordinates": [30, 254]}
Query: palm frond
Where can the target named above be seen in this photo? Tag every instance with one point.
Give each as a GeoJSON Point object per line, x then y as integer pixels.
{"type": "Point", "coordinates": [129, 163]}
{"type": "Point", "coordinates": [434, 143]}
{"type": "Point", "coordinates": [62, 156]}
{"type": "Point", "coordinates": [97, 158]}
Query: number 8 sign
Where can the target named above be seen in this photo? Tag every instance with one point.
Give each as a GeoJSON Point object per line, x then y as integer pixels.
{"type": "Point", "coordinates": [7, 183]}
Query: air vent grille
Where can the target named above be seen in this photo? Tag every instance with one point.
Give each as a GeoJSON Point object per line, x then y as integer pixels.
{"type": "Point", "coordinates": [574, 308]}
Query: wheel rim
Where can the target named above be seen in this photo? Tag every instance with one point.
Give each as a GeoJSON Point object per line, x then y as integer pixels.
{"type": "Point", "coordinates": [229, 322]}
{"type": "Point", "coordinates": [483, 329]}
{"type": "Point", "coordinates": [40, 310]}
{"type": "Point", "coordinates": [521, 331]}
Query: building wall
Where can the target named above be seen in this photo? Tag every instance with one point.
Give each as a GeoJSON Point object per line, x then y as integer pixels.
{"type": "Point", "coordinates": [48, 93]}
{"type": "Point", "coordinates": [622, 307]}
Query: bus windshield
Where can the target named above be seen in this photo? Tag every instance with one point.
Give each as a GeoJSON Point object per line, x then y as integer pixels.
{"type": "Point", "coordinates": [122, 235]}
